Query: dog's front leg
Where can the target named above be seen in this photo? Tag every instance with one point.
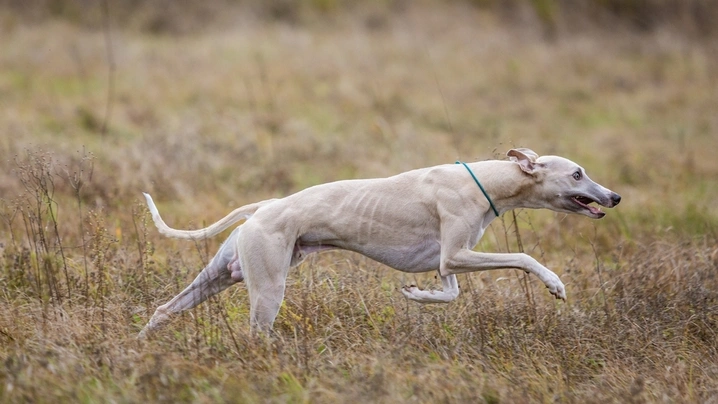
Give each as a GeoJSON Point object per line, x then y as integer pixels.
{"type": "Point", "coordinates": [465, 260]}
{"type": "Point", "coordinates": [449, 292]}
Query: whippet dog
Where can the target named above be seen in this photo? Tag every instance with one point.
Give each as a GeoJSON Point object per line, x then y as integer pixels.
{"type": "Point", "coordinates": [423, 220]}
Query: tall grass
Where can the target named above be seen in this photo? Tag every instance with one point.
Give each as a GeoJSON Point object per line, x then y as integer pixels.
{"type": "Point", "coordinates": [640, 324]}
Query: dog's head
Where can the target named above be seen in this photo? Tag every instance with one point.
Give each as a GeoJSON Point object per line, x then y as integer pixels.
{"type": "Point", "coordinates": [562, 185]}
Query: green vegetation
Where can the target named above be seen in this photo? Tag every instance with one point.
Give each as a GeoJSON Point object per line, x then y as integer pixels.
{"type": "Point", "coordinates": [266, 101]}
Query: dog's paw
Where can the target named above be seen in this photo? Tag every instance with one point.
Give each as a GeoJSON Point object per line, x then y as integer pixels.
{"type": "Point", "coordinates": [145, 333]}
{"type": "Point", "coordinates": [429, 296]}
{"type": "Point", "coordinates": [409, 291]}
{"type": "Point", "coordinates": [556, 287]}
{"type": "Point", "coordinates": [412, 292]}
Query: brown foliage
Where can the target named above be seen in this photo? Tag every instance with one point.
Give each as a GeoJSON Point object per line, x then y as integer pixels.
{"type": "Point", "coordinates": [209, 122]}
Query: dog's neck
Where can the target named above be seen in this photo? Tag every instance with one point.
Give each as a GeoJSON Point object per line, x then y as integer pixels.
{"type": "Point", "coordinates": [508, 186]}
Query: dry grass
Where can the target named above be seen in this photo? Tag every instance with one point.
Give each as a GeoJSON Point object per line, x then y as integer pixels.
{"type": "Point", "coordinates": [207, 123]}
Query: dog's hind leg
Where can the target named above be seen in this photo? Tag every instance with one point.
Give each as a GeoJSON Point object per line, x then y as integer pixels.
{"type": "Point", "coordinates": [222, 272]}
{"type": "Point", "coordinates": [449, 292]}
{"type": "Point", "coordinates": [265, 259]}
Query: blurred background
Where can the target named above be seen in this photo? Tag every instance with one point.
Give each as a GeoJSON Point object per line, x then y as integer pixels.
{"type": "Point", "coordinates": [211, 105]}
{"type": "Point", "coordinates": [253, 99]}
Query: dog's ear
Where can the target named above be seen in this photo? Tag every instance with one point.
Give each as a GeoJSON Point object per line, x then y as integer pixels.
{"type": "Point", "coordinates": [526, 159]}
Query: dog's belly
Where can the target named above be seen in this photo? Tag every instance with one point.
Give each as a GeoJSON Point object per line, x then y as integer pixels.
{"type": "Point", "coordinates": [422, 256]}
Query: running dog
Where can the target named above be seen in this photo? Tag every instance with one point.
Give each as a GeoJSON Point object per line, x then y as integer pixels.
{"type": "Point", "coordinates": [423, 220]}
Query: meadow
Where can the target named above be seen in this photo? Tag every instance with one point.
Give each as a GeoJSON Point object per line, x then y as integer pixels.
{"type": "Point", "coordinates": [263, 107]}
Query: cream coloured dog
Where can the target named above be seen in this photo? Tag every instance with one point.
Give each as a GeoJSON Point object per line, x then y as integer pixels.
{"type": "Point", "coordinates": [418, 221]}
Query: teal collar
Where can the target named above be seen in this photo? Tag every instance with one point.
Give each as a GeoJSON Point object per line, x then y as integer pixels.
{"type": "Point", "coordinates": [480, 187]}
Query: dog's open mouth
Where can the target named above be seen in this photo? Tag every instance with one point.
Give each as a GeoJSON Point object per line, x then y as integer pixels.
{"type": "Point", "coordinates": [584, 202]}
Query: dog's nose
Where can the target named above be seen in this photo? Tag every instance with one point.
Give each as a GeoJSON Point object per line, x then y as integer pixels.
{"type": "Point", "coordinates": [615, 198]}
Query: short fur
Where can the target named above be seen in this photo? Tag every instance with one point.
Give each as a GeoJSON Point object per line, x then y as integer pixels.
{"type": "Point", "coordinates": [418, 221]}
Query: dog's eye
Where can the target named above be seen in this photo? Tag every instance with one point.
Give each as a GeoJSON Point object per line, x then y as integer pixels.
{"type": "Point", "coordinates": [577, 175]}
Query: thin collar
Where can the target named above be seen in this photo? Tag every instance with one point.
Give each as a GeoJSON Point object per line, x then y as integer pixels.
{"type": "Point", "coordinates": [480, 187]}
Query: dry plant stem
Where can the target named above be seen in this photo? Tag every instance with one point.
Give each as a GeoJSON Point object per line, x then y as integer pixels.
{"type": "Point", "coordinates": [305, 329]}
{"type": "Point", "coordinates": [102, 242]}
{"type": "Point", "coordinates": [524, 281]}
{"type": "Point", "coordinates": [9, 219]}
{"type": "Point", "coordinates": [76, 181]}
{"type": "Point", "coordinates": [33, 244]}
{"type": "Point", "coordinates": [36, 177]}
{"type": "Point", "coordinates": [141, 251]}
{"type": "Point", "coordinates": [223, 314]}
{"type": "Point", "coordinates": [208, 328]}
{"type": "Point", "coordinates": [77, 186]}
{"type": "Point", "coordinates": [53, 219]}
{"type": "Point", "coordinates": [110, 66]}
{"type": "Point", "coordinates": [441, 94]}
{"type": "Point", "coordinates": [598, 272]}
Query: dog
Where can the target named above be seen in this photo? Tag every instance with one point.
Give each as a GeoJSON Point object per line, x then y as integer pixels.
{"type": "Point", "coordinates": [422, 220]}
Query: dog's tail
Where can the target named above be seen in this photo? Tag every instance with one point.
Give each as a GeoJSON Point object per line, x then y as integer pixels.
{"type": "Point", "coordinates": [242, 213]}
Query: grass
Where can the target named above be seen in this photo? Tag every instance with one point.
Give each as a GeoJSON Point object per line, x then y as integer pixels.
{"type": "Point", "coordinates": [210, 122]}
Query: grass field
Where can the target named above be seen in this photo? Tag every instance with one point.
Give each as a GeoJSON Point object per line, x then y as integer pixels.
{"type": "Point", "coordinates": [211, 121]}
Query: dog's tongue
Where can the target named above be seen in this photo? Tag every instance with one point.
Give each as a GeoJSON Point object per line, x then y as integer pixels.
{"type": "Point", "coordinates": [595, 210]}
